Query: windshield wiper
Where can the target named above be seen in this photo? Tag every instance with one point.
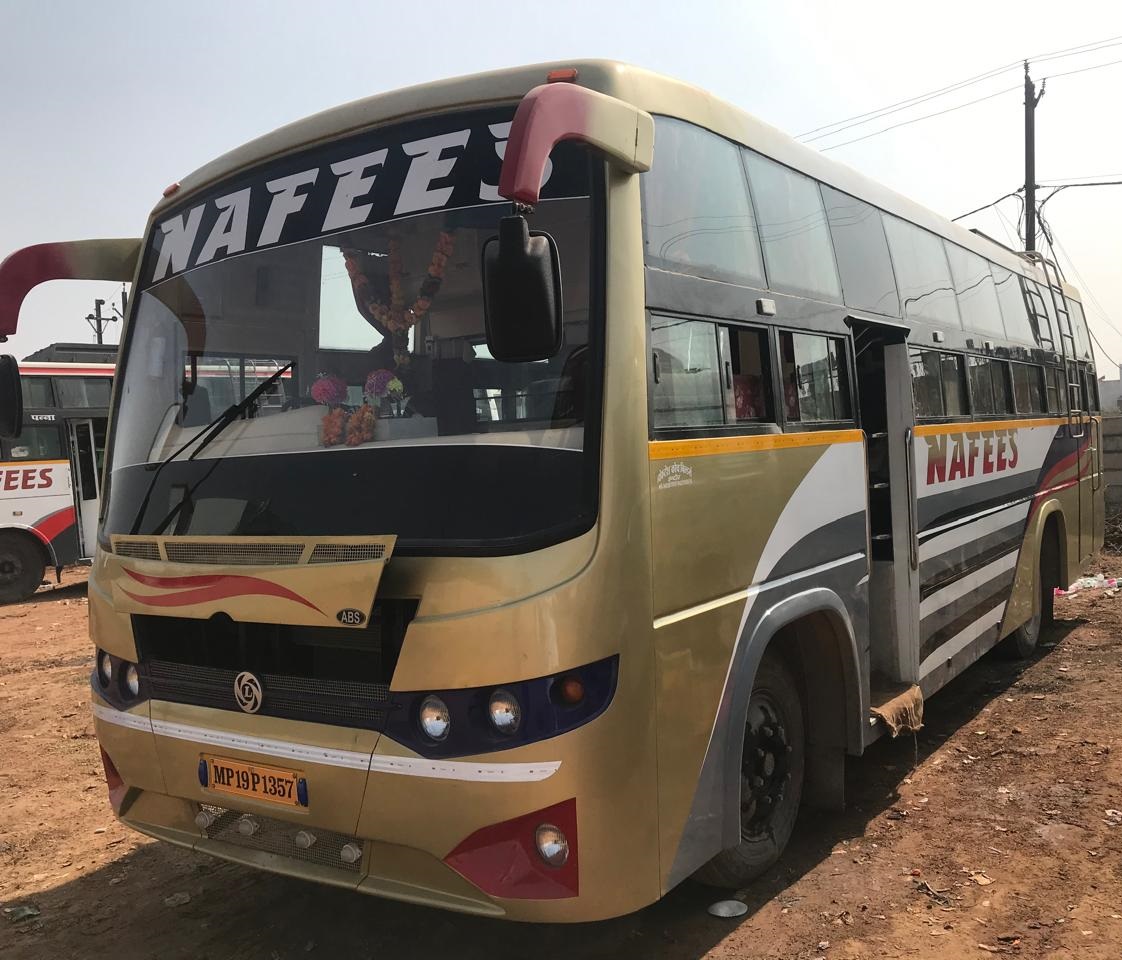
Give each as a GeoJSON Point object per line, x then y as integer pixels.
{"type": "Point", "coordinates": [205, 436]}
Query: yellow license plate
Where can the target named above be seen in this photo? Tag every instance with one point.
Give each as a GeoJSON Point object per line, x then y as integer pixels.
{"type": "Point", "coordinates": [252, 780]}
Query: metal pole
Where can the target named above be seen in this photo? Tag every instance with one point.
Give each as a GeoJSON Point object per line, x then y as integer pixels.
{"type": "Point", "coordinates": [1030, 162]}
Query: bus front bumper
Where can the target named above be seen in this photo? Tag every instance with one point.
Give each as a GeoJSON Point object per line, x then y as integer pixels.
{"type": "Point", "coordinates": [460, 835]}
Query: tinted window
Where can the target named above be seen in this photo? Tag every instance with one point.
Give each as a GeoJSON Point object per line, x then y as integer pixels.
{"type": "Point", "coordinates": [989, 386]}
{"type": "Point", "coordinates": [37, 443]}
{"type": "Point", "coordinates": [37, 391]}
{"type": "Point", "coordinates": [1012, 300]}
{"type": "Point", "coordinates": [973, 284]}
{"type": "Point", "coordinates": [1079, 329]}
{"type": "Point", "coordinates": [1028, 387]}
{"type": "Point", "coordinates": [797, 250]}
{"type": "Point", "coordinates": [815, 381]}
{"type": "Point", "coordinates": [747, 377]}
{"type": "Point", "coordinates": [862, 253]}
{"type": "Point", "coordinates": [938, 383]}
{"type": "Point", "coordinates": [83, 391]}
{"type": "Point", "coordinates": [921, 273]}
{"type": "Point", "coordinates": [697, 213]}
{"type": "Point", "coordinates": [687, 388]}
{"type": "Point", "coordinates": [1054, 385]}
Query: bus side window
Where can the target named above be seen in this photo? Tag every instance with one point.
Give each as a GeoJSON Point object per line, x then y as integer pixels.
{"type": "Point", "coordinates": [37, 391]}
{"type": "Point", "coordinates": [687, 379]}
{"type": "Point", "coordinates": [938, 384]}
{"type": "Point", "coordinates": [1054, 386]}
{"type": "Point", "coordinates": [815, 378]}
{"type": "Point", "coordinates": [37, 443]}
{"type": "Point", "coordinates": [1028, 387]}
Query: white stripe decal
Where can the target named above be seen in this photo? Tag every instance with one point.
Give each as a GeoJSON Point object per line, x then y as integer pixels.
{"type": "Point", "coordinates": [960, 641]}
{"type": "Point", "coordinates": [350, 759]}
{"type": "Point", "coordinates": [964, 585]}
{"type": "Point", "coordinates": [752, 591]}
{"type": "Point", "coordinates": [987, 522]}
{"type": "Point", "coordinates": [458, 770]}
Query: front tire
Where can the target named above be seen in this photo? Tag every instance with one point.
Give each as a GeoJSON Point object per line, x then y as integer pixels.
{"type": "Point", "coordinates": [21, 568]}
{"type": "Point", "coordinates": [771, 782]}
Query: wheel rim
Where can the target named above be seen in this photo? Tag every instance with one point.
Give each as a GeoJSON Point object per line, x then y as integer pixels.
{"type": "Point", "coordinates": [766, 767]}
{"type": "Point", "coordinates": [11, 569]}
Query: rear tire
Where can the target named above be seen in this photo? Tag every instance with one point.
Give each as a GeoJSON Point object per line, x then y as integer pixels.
{"type": "Point", "coordinates": [771, 783]}
{"type": "Point", "coordinates": [1021, 643]}
{"type": "Point", "coordinates": [21, 568]}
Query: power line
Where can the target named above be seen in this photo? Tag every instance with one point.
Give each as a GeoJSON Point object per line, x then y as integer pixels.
{"type": "Point", "coordinates": [926, 116]}
{"type": "Point", "coordinates": [963, 216]}
{"type": "Point", "coordinates": [950, 88]}
{"type": "Point", "coordinates": [1097, 66]}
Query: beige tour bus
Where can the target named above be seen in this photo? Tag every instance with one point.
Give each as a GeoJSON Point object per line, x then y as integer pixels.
{"type": "Point", "coordinates": [623, 466]}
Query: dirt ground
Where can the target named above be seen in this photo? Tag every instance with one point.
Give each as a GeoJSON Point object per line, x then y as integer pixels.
{"type": "Point", "coordinates": [994, 832]}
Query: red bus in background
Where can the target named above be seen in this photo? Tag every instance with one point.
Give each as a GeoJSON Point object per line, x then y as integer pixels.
{"type": "Point", "coordinates": [50, 475]}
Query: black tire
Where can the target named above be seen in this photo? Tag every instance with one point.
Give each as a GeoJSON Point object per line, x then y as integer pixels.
{"type": "Point", "coordinates": [1021, 643]}
{"type": "Point", "coordinates": [771, 778]}
{"type": "Point", "coordinates": [21, 568]}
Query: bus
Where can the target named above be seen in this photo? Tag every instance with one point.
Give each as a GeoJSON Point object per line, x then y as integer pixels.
{"type": "Point", "coordinates": [49, 496]}
{"type": "Point", "coordinates": [627, 467]}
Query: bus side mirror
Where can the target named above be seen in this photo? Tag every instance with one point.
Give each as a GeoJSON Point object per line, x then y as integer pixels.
{"type": "Point", "coordinates": [521, 293]}
{"type": "Point", "coordinates": [11, 398]}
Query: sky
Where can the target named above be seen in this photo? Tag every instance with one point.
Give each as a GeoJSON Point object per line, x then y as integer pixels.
{"type": "Point", "coordinates": [106, 104]}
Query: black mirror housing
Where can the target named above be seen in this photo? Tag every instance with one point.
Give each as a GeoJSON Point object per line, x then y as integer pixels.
{"type": "Point", "coordinates": [522, 293]}
{"type": "Point", "coordinates": [11, 398]}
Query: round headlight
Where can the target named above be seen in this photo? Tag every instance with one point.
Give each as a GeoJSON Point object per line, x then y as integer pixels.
{"type": "Point", "coordinates": [434, 718]}
{"type": "Point", "coordinates": [104, 668]}
{"type": "Point", "coordinates": [552, 845]}
{"type": "Point", "coordinates": [506, 714]}
{"type": "Point", "coordinates": [132, 680]}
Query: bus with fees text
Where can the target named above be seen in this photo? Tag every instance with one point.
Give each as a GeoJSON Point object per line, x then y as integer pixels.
{"type": "Point", "coordinates": [49, 496]}
{"type": "Point", "coordinates": [624, 466]}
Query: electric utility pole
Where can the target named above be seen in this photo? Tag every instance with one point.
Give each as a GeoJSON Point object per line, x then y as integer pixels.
{"type": "Point", "coordinates": [1032, 98]}
{"type": "Point", "coordinates": [97, 321]}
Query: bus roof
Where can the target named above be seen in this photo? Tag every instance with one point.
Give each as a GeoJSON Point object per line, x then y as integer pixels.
{"type": "Point", "coordinates": [649, 91]}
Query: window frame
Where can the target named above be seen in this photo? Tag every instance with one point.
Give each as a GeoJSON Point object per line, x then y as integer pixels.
{"type": "Point", "coordinates": [1042, 382]}
{"type": "Point", "coordinates": [964, 380]}
{"type": "Point", "coordinates": [847, 389]}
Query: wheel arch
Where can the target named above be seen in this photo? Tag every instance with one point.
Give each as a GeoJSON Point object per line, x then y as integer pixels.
{"type": "Point", "coordinates": [814, 633]}
{"type": "Point", "coordinates": [45, 546]}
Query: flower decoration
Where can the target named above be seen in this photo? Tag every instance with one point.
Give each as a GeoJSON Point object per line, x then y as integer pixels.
{"type": "Point", "coordinates": [334, 426]}
{"type": "Point", "coordinates": [395, 317]}
{"type": "Point", "coordinates": [395, 389]}
{"type": "Point", "coordinates": [329, 390]}
{"type": "Point", "coordinates": [360, 427]}
{"type": "Point", "coordinates": [377, 384]}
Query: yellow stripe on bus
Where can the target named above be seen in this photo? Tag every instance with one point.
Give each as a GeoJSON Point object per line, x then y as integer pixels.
{"type": "Point", "coordinates": [708, 446]}
{"type": "Point", "coordinates": [980, 426]}
{"type": "Point", "coordinates": [28, 463]}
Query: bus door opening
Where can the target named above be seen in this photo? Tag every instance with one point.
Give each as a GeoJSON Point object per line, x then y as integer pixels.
{"type": "Point", "coordinates": [87, 445]}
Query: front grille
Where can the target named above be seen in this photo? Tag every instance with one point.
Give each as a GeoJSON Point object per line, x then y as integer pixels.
{"type": "Point", "coordinates": [140, 549]}
{"type": "Point", "coordinates": [279, 837]}
{"type": "Point", "coordinates": [238, 552]}
{"type": "Point", "coordinates": [344, 703]}
{"type": "Point", "coordinates": [334, 675]}
{"type": "Point", "coordinates": [346, 552]}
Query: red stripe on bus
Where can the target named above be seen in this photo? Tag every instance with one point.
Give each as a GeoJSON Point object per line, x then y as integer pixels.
{"type": "Point", "coordinates": [55, 523]}
{"type": "Point", "coordinates": [204, 588]}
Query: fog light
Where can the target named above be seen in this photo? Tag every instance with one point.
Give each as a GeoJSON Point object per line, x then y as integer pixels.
{"type": "Point", "coordinates": [351, 853]}
{"type": "Point", "coordinates": [304, 840]}
{"type": "Point", "coordinates": [435, 719]}
{"type": "Point", "coordinates": [104, 668]}
{"type": "Point", "coordinates": [247, 826]}
{"type": "Point", "coordinates": [552, 846]}
{"type": "Point", "coordinates": [204, 819]}
{"type": "Point", "coordinates": [571, 690]}
{"type": "Point", "coordinates": [506, 714]}
{"type": "Point", "coordinates": [132, 680]}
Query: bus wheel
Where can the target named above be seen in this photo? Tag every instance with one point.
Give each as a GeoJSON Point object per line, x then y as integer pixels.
{"type": "Point", "coordinates": [771, 778]}
{"type": "Point", "coordinates": [21, 568]}
{"type": "Point", "coordinates": [1021, 643]}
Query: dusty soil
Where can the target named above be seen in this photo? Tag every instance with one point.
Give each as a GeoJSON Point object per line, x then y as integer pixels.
{"type": "Point", "coordinates": [989, 834]}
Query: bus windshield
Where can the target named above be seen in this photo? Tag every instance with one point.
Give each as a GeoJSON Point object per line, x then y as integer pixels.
{"type": "Point", "coordinates": [357, 267]}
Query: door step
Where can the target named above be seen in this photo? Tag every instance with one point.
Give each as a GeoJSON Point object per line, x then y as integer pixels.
{"type": "Point", "coordinates": [899, 708]}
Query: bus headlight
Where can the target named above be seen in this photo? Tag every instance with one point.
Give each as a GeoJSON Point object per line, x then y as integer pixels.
{"type": "Point", "coordinates": [104, 668]}
{"type": "Point", "coordinates": [132, 680]}
{"type": "Point", "coordinates": [434, 717]}
{"type": "Point", "coordinates": [505, 711]}
{"type": "Point", "coordinates": [553, 847]}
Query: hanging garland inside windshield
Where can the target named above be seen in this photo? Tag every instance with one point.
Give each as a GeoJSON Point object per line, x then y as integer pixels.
{"type": "Point", "coordinates": [394, 318]}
